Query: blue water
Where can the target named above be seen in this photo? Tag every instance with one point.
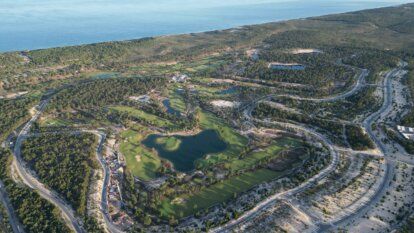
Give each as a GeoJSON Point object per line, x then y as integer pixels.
{"type": "Point", "coordinates": [33, 24]}
{"type": "Point", "coordinates": [170, 110]}
{"type": "Point", "coordinates": [288, 67]}
{"type": "Point", "coordinates": [228, 91]}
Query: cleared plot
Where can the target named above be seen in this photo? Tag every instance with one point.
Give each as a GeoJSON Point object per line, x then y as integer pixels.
{"type": "Point", "coordinates": [54, 122]}
{"type": "Point", "coordinates": [140, 161]}
{"type": "Point", "coordinates": [151, 119]}
{"type": "Point", "coordinates": [216, 193]}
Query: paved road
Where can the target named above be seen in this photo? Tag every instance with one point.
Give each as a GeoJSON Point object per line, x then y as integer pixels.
{"type": "Point", "coordinates": [387, 102]}
{"type": "Point", "coordinates": [104, 202]}
{"type": "Point", "coordinates": [368, 126]}
{"type": "Point", "coordinates": [30, 180]}
{"type": "Point", "coordinates": [358, 85]}
{"type": "Point", "coordinates": [14, 222]}
{"type": "Point", "coordinates": [270, 201]}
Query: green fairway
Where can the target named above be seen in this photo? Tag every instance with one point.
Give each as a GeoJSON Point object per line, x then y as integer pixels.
{"type": "Point", "coordinates": [151, 119]}
{"type": "Point", "coordinates": [141, 162]}
{"type": "Point", "coordinates": [215, 194]}
{"type": "Point", "coordinates": [236, 142]}
{"type": "Point", "coordinates": [177, 102]}
{"type": "Point", "coordinates": [270, 152]}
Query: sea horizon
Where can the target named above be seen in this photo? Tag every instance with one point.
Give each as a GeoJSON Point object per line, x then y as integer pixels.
{"type": "Point", "coordinates": [33, 27]}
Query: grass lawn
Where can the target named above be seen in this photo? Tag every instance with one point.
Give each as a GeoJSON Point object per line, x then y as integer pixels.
{"type": "Point", "coordinates": [234, 140]}
{"type": "Point", "coordinates": [271, 151]}
{"type": "Point", "coordinates": [217, 193]}
{"type": "Point", "coordinates": [53, 122]}
{"type": "Point", "coordinates": [169, 143]}
{"type": "Point", "coordinates": [152, 119]}
{"type": "Point", "coordinates": [177, 102]}
{"type": "Point", "coordinates": [141, 162]}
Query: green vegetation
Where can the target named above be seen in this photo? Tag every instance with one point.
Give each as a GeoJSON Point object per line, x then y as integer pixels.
{"type": "Point", "coordinates": [142, 116]}
{"type": "Point", "coordinates": [236, 143]}
{"type": "Point", "coordinates": [408, 120]}
{"type": "Point", "coordinates": [357, 138]}
{"type": "Point", "coordinates": [93, 83]}
{"type": "Point", "coordinates": [169, 143]}
{"type": "Point", "coordinates": [215, 194]}
{"type": "Point", "coordinates": [102, 92]}
{"type": "Point", "coordinates": [58, 160]}
{"type": "Point", "coordinates": [34, 212]}
{"type": "Point", "coordinates": [4, 221]}
{"type": "Point", "coordinates": [13, 113]}
{"type": "Point", "coordinates": [140, 161]}
{"type": "Point", "coordinates": [265, 155]}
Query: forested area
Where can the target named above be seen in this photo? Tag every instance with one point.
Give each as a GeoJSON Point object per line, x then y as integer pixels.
{"type": "Point", "coordinates": [349, 108]}
{"type": "Point", "coordinates": [64, 162]}
{"type": "Point", "coordinates": [34, 212]}
{"type": "Point", "coordinates": [13, 113]}
{"type": "Point", "coordinates": [332, 128]}
{"type": "Point", "coordinates": [5, 226]}
{"type": "Point", "coordinates": [103, 92]}
{"type": "Point", "coordinates": [357, 138]}
{"type": "Point", "coordinates": [320, 75]}
{"type": "Point", "coordinates": [408, 120]}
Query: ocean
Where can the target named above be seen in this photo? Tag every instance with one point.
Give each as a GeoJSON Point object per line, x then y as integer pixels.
{"type": "Point", "coordinates": [36, 24]}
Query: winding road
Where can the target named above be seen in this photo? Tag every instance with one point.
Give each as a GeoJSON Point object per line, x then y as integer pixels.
{"type": "Point", "coordinates": [30, 180]}
{"type": "Point", "coordinates": [323, 227]}
{"type": "Point", "coordinates": [270, 201]}
{"type": "Point", "coordinates": [390, 164]}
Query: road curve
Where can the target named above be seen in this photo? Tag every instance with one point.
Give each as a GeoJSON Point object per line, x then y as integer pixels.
{"type": "Point", "coordinates": [104, 203]}
{"type": "Point", "coordinates": [330, 168]}
{"type": "Point", "coordinates": [29, 179]}
{"type": "Point", "coordinates": [248, 215]}
{"type": "Point", "coordinates": [389, 171]}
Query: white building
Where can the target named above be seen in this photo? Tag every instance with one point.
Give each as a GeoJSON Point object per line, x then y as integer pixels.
{"type": "Point", "coordinates": [182, 78]}
{"type": "Point", "coordinates": [407, 132]}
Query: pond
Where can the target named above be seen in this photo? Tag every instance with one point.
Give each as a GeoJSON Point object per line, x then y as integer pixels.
{"type": "Point", "coordinates": [183, 151]}
{"type": "Point", "coordinates": [170, 110]}
{"type": "Point", "coordinates": [228, 91]}
{"type": "Point", "coordinates": [288, 67]}
{"type": "Point", "coordinates": [105, 75]}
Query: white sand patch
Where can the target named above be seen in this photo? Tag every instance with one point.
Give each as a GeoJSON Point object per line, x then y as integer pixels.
{"type": "Point", "coordinates": [177, 200]}
{"type": "Point", "coordinates": [305, 51]}
{"type": "Point", "coordinates": [253, 54]}
{"type": "Point", "coordinates": [224, 103]}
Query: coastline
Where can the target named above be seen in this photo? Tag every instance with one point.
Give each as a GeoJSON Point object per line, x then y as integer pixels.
{"type": "Point", "coordinates": [189, 32]}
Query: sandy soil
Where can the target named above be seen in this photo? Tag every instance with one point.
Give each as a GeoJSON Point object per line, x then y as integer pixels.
{"type": "Point", "coordinates": [224, 104]}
